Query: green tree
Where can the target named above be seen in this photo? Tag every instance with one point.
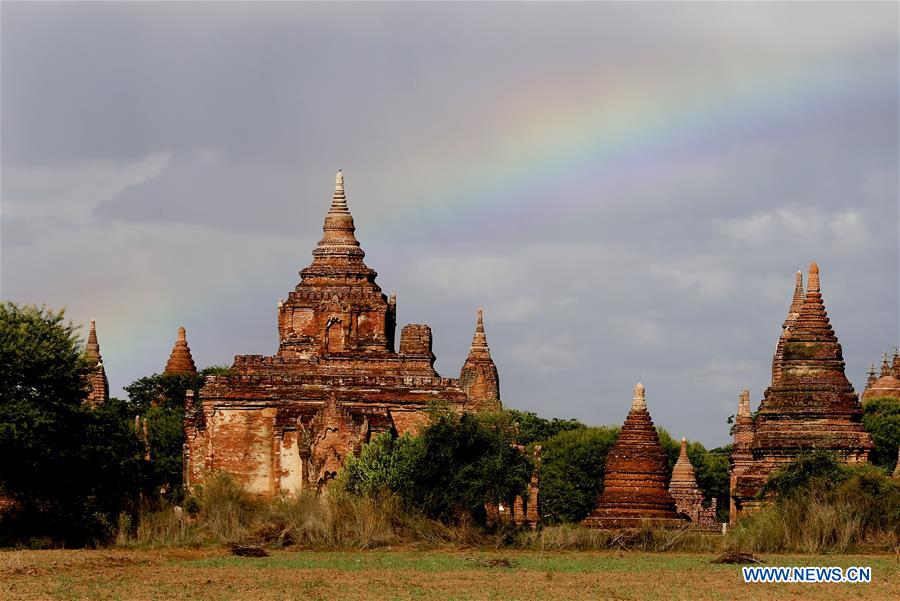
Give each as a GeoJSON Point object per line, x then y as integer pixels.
{"type": "Point", "coordinates": [881, 419]}
{"type": "Point", "coordinates": [384, 465]}
{"type": "Point", "coordinates": [531, 428]}
{"type": "Point", "coordinates": [160, 399]}
{"type": "Point", "coordinates": [71, 469]}
{"type": "Point", "coordinates": [452, 468]}
{"type": "Point", "coordinates": [572, 463]}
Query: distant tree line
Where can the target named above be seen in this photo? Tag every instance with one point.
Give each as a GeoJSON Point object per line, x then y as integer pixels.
{"type": "Point", "coordinates": [72, 472]}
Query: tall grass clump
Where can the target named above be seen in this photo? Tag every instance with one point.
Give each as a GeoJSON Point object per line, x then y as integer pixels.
{"type": "Point", "coordinates": [822, 506]}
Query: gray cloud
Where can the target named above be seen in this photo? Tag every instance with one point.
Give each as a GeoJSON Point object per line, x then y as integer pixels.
{"type": "Point", "coordinates": [167, 164]}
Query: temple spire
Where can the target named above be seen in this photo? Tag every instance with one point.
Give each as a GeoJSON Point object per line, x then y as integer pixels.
{"type": "Point", "coordinates": [885, 366]}
{"type": "Point", "coordinates": [479, 374]}
{"type": "Point", "coordinates": [797, 300]}
{"type": "Point", "coordinates": [338, 254]}
{"type": "Point", "coordinates": [181, 361]}
{"type": "Point", "coordinates": [92, 348]}
{"type": "Point", "coordinates": [744, 403]}
{"type": "Point", "coordinates": [479, 341]}
{"type": "Point", "coordinates": [339, 199]}
{"type": "Point", "coordinates": [97, 383]}
{"type": "Point", "coordinates": [789, 321]}
{"type": "Point", "coordinates": [683, 471]}
{"type": "Point", "coordinates": [638, 403]}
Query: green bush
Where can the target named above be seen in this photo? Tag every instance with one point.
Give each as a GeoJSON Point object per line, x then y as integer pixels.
{"type": "Point", "coordinates": [821, 505]}
{"type": "Point", "coordinates": [881, 419]}
{"type": "Point", "coordinates": [449, 471]}
{"type": "Point", "coordinates": [572, 464]}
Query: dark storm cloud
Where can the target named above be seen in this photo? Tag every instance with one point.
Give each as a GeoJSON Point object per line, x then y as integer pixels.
{"type": "Point", "coordinates": [181, 155]}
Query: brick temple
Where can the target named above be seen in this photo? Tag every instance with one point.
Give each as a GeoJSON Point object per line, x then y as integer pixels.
{"type": "Point", "coordinates": [635, 478]}
{"type": "Point", "coordinates": [287, 422]}
{"type": "Point", "coordinates": [810, 404]}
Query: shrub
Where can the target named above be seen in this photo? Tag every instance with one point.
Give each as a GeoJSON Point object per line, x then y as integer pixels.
{"type": "Point", "coordinates": [820, 505]}
{"type": "Point", "coordinates": [572, 464]}
{"type": "Point", "coordinates": [881, 419]}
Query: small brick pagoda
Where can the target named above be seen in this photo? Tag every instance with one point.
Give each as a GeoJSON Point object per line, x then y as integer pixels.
{"type": "Point", "coordinates": [288, 422]}
{"type": "Point", "coordinates": [810, 405]}
{"type": "Point", "coordinates": [688, 496]}
{"type": "Point", "coordinates": [98, 385]}
{"type": "Point", "coordinates": [887, 384]}
{"type": "Point", "coordinates": [636, 475]}
{"type": "Point", "coordinates": [180, 360]}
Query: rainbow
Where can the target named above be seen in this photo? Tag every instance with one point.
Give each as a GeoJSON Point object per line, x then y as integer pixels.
{"type": "Point", "coordinates": [549, 155]}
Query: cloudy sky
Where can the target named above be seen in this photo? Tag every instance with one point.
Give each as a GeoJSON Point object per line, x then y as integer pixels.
{"type": "Point", "coordinates": [627, 189]}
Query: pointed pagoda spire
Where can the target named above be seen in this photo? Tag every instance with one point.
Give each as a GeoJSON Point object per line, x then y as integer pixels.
{"type": "Point", "coordinates": [797, 300]}
{"type": "Point", "coordinates": [812, 321]}
{"type": "Point", "coordinates": [479, 347]}
{"type": "Point", "coordinates": [479, 376]}
{"type": "Point", "coordinates": [338, 254]}
{"type": "Point", "coordinates": [92, 349]}
{"type": "Point", "coordinates": [339, 239]}
{"type": "Point", "coordinates": [792, 315]}
{"type": "Point", "coordinates": [97, 383]}
{"type": "Point", "coordinates": [683, 471]}
{"type": "Point", "coordinates": [180, 361]}
{"type": "Point", "coordinates": [885, 366]}
{"type": "Point", "coordinates": [896, 363]}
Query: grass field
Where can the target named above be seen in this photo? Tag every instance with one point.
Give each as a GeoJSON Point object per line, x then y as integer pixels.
{"type": "Point", "coordinates": [173, 574]}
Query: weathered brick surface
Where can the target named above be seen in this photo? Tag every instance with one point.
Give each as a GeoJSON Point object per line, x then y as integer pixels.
{"type": "Point", "coordinates": [636, 476]}
{"type": "Point", "coordinates": [810, 405]}
{"type": "Point", "coordinates": [289, 421]}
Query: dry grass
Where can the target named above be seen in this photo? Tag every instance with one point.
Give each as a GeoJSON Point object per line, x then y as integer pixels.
{"type": "Point", "coordinates": [229, 515]}
{"type": "Point", "coordinates": [212, 574]}
{"type": "Point", "coordinates": [812, 524]}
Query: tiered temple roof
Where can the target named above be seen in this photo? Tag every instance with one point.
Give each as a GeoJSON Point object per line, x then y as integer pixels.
{"type": "Point", "coordinates": [98, 384]}
{"type": "Point", "coordinates": [635, 478]}
{"type": "Point", "coordinates": [180, 360]}
{"type": "Point", "coordinates": [810, 405]}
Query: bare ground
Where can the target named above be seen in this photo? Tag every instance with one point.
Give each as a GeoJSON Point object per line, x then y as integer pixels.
{"type": "Point", "coordinates": [173, 574]}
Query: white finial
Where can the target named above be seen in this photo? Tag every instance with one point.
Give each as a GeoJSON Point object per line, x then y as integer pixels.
{"type": "Point", "coordinates": [639, 403]}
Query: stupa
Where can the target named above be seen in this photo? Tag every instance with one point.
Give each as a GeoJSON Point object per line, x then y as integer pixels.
{"type": "Point", "coordinates": [810, 406]}
{"type": "Point", "coordinates": [635, 478]}
{"type": "Point", "coordinates": [180, 360]}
